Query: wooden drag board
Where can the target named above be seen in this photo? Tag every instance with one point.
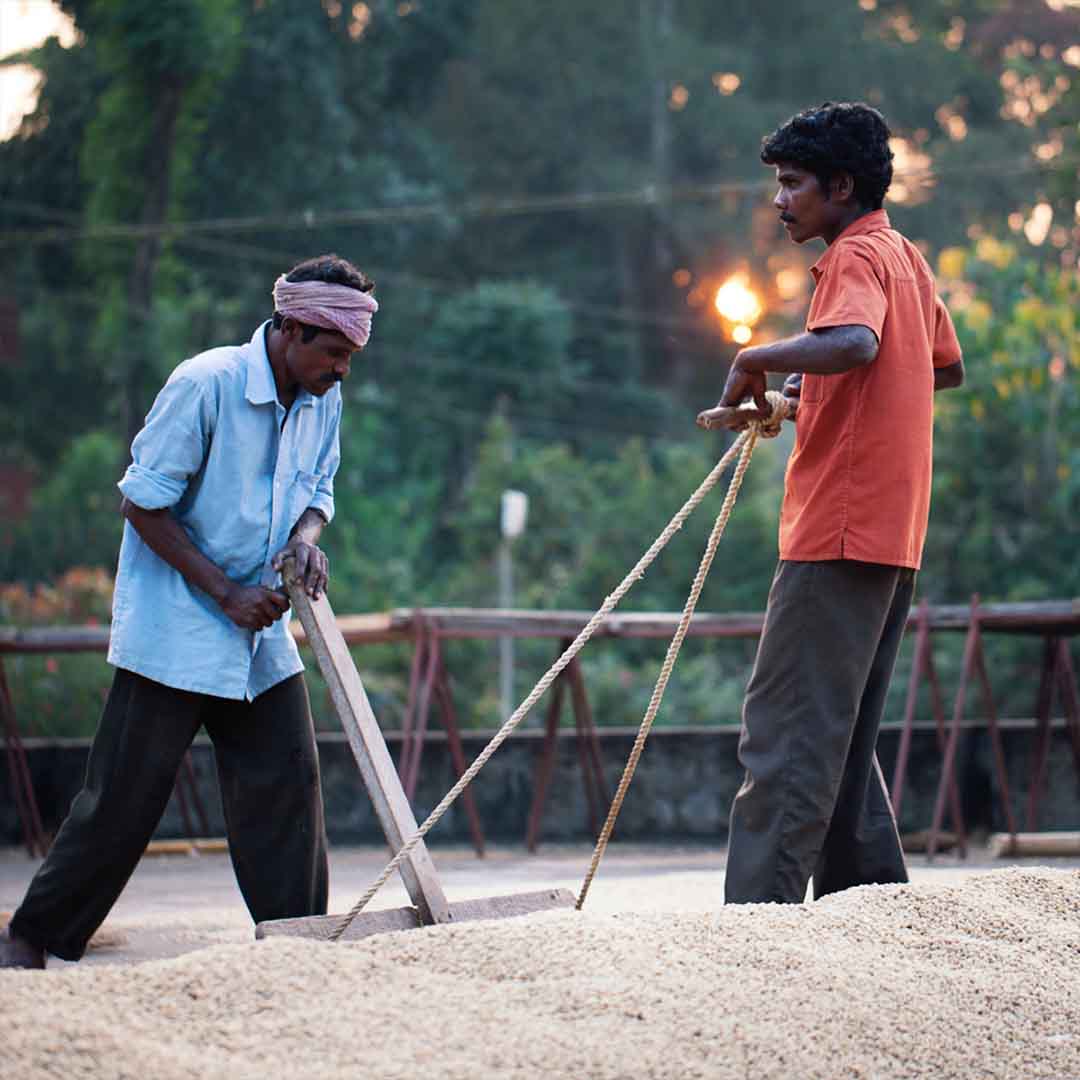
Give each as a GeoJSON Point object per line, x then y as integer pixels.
{"type": "Point", "coordinates": [392, 808]}
{"type": "Point", "coordinates": [407, 918]}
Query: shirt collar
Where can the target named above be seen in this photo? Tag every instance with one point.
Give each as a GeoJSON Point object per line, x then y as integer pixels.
{"type": "Point", "coordinates": [875, 221]}
{"type": "Point", "coordinates": [260, 388]}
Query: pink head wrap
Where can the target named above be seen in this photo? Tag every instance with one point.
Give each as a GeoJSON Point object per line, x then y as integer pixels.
{"type": "Point", "coordinates": [333, 307]}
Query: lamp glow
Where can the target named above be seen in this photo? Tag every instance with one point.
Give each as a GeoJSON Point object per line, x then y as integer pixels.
{"type": "Point", "coordinates": [737, 302]}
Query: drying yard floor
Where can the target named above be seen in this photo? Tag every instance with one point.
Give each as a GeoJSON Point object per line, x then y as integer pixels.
{"type": "Point", "coordinates": [973, 970]}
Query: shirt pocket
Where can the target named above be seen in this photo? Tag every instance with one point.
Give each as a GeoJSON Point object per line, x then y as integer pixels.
{"type": "Point", "coordinates": [301, 492]}
{"type": "Point", "coordinates": [813, 389]}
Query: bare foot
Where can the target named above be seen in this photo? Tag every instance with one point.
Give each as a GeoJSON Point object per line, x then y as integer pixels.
{"type": "Point", "coordinates": [17, 953]}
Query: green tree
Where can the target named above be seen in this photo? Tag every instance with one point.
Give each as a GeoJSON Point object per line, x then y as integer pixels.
{"type": "Point", "coordinates": [162, 64]}
{"type": "Point", "coordinates": [524, 184]}
{"type": "Point", "coordinates": [53, 390]}
{"type": "Point", "coordinates": [74, 517]}
{"type": "Point", "coordinates": [1007, 465]}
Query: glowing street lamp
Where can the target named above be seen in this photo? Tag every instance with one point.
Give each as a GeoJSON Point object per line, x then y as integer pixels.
{"type": "Point", "coordinates": [739, 306]}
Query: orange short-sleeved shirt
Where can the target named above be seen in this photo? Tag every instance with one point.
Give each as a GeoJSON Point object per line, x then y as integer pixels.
{"type": "Point", "coordinates": [858, 480]}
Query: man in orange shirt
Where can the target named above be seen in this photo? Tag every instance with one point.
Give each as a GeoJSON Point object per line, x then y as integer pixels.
{"type": "Point", "coordinates": [878, 343]}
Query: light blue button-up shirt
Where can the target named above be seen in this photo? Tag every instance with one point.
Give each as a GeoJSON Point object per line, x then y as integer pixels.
{"type": "Point", "coordinates": [238, 471]}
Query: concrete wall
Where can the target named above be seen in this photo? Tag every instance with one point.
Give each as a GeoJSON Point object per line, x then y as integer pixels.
{"type": "Point", "coordinates": [682, 791]}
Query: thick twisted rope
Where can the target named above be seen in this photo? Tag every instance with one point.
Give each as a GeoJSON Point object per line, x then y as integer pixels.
{"type": "Point", "coordinates": [766, 429]}
{"type": "Point", "coordinates": [743, 447]}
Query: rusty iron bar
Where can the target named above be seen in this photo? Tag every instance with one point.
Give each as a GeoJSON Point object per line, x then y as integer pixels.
{"type": "Point", "coordinates": [990, 707]}
{"type": "Point", "coordinates": [938, 709]}
{"type": "Point", "coordinates": [593, 811]}
{"type": "Point", "coordinates": [597, 798]}
{"type": "Point", "coordinates": [423, 708]}
{"type": "Point", "coordinates": [923, 666]}
{"type": "Point", "coordinates": [179, 788]}
{"type": "Point", "coordinates": [1052, 618]}
{"type": "Point", "coordinates": [187, 776]}
{"type": "Point", "coordinates": [429, 681]}
{"type": "Point", "coordinates": [948, 765]}
{"type": "Point", "coordinates": [918, 664]}
{"type": "Point", "coordinates": [974, 666]}
{"type": "Point", "coordinates": [445, 699]}
{"type": "Point", "coordinates": [1044, 700]}
{"type": "Point", "coordinates": [1057, 669]}
{"type": "Point", "coordinates": [418, 642]}
{"type": "Point", "coordinates": [25, 799]}
{"type": "Point", "coordinates": [1044, 617]}
{"type": "Point", "coordinates": [545, 766]}
{"type": "Point", "coordinates": [592, 772]}
{"type": "Point", "coordinates": [22, 784]}
{"type": "Point", "coordinates": [1071, 700]}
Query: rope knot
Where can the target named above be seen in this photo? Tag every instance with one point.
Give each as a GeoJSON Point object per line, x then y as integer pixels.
{"type": "Point", "coordinates": [782, 408]}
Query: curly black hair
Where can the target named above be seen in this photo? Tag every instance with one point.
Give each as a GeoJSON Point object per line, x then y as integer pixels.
{"type": "Point", "coordinates": [834, 138]}
{"type": "Point", "coordinates": [329, 268]}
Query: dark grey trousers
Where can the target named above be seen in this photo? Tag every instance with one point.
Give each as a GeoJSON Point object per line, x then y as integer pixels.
{"type": "Point", "coordinates": [813, 801]}
{"type": "Point", "coordinates": [268, 769]}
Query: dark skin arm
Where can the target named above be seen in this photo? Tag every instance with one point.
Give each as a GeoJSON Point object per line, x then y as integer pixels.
{"type": "Point", "coordinates": [830, 351]}
{"type": "Point", "coordinates": [252, 607]}
{"type": "Point", "coordinates": [948, 378]}
{"type": "Point", "coordinates": [855, 350]}
{"type": "Point", "coordinates": [945, 378]}
{"type": "Point", "coordinates": [312, 564]}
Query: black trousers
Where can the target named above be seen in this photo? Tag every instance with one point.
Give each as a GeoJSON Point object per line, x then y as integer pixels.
{"type": "Point", "coordinates": [268, 770]}
{"type": "Point", "coordinates": [813, 801]}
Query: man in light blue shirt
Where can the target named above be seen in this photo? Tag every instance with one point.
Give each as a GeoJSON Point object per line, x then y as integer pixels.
{"type": "Point", "coordinates": [232, 473]}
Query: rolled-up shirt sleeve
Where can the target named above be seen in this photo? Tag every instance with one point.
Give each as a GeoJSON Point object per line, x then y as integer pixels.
{"type": "Point", "coordinates": [946, 346]}
{"type": "Point", "coordinates": [170, 448]}
{"type": "Point", "coordinates": [329, 460]}
{"type": "Point", "coordinates": [849, 293]}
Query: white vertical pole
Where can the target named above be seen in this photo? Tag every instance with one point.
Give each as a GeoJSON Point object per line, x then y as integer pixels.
{"type": "Point", "coordinates": [506, 642]}
{"type": "Point", "coordinates": [514, 509]}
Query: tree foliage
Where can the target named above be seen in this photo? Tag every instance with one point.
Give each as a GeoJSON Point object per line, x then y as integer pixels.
{"type": "Point", "coordinates": [548, 197]}
{"type": "Point", "coordinates": [1007, 476]}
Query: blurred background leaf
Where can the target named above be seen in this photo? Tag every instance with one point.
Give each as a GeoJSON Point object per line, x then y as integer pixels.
{"type": "Point", "coordinates": [549, 197]}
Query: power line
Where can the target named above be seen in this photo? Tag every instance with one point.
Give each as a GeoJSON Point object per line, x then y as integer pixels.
{"type": "Point", "coordinates": [647, 195]}
{"type": "Point", "coordinates": [589, 431]}
{"type": "Point", "coordinates": [441, 285]}
{"type": "Point", "coordinates": [608, 424]}
{"type": "Point", "coordinates": [440, 362]}
{"type": "Point", "coordinates": [432, 284]}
